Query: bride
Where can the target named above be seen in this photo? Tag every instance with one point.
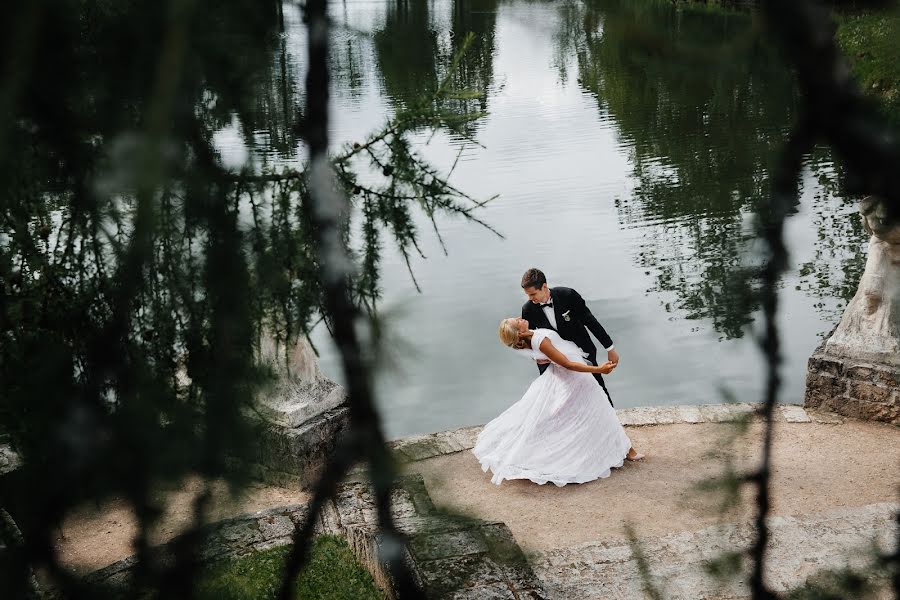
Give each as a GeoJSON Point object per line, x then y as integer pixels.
{"type": "Point", "coordinates": [563, 430]}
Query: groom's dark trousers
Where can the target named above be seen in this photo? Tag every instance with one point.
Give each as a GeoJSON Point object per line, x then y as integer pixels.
{"type": "Point", "coordinates": [573, 321]}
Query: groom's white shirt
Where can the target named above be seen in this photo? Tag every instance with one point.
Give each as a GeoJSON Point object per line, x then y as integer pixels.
{"type": "Point", "coordinates": [551, 316]}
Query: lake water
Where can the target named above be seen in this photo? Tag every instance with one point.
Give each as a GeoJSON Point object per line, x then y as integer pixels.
{"type": "Point", "coordinates": [629, 143]}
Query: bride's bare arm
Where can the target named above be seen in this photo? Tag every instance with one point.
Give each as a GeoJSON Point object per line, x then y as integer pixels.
{"type": "Point", "coordinates": [559, 358]}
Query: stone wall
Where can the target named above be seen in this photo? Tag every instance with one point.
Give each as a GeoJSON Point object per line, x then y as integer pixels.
{"type": "Point", "coordinates": [450, 556]}
{"type": "Point", "coordinates": [853, 388]}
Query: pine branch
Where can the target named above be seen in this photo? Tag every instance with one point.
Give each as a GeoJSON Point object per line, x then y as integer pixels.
{"type": "Point", "coordinates": [325, 210]}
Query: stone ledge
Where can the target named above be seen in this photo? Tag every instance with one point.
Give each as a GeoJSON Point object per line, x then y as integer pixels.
{"type": "Point", "coordinates": [451, 556]}
{"type": "Point", "coordinates": [291, 403]}
{"type": "Point", "coordinates": [224, 539]}
{"type": "Point", "coordinates": [800, 547]}
{"type": "Point", "coordinates": [430, 445]}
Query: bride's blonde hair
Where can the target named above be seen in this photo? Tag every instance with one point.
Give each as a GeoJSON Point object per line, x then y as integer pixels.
{"type": "Point", "coordinates": [509, 335]}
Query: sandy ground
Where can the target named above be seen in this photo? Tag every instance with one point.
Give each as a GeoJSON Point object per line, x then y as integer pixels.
{"type": "Point", "coordinates": [816, 467]}
{"type": "Point", "coordinates": [98, 536]}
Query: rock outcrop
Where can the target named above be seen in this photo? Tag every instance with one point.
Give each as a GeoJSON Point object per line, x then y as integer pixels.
{"type": "Point", "coordinates": [856, 370]}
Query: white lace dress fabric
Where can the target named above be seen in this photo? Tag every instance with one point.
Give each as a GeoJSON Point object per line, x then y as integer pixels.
{"type": "Point", "coordinates": [563, 430]}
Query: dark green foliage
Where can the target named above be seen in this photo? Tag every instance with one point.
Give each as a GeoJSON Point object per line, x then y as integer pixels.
{"type": "Point", "coordinates": [138, 272]}
{"type": "Point", "coordinates": [869, 40]}
{"type": "Point", "coordinates": [331, 573]}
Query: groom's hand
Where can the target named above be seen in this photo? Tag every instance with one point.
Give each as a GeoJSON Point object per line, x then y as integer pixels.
{"type": "Point", "coordinates": [542, 361]}
{"type": "Point", "coordinates": [613, 357]}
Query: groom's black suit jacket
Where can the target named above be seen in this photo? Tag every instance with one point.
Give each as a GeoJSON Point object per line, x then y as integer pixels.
{"type": "Point", "coordinates": [567, 301]}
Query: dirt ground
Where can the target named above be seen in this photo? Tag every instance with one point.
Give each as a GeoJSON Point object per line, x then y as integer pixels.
{"type": "Point", "coordinates": [817, 467]}
{"type": "Point", "coordinates": [95, 537]}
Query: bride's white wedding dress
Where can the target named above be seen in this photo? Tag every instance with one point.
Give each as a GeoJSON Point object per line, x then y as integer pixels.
{"type": "Point", "coordinates": [563, 430]}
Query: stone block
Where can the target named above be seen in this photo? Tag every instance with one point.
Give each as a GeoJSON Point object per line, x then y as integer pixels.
{"type": "Point", "coordinates": [861, 389]}
{"type": "Point", "coordinates": [878, 411]}
{"type": "Point", "coordinates": [887, 376]}
{"type": "Point", "coordinates": [297, 456]}
{"type": "Point", "coordinates": [355, 506]}
{"type": "Point", "coordinates": [724, 413]}
{"type": "Point", "coordinates": [414, 487]}
{"type": "Point", "coordinates": [824, 418]}
{"type": "Point", "coordinates": [797, 545]}
{"type": "Point", "coordinates": [491, 591]}
{"type": "Point", "coordinates": [869, 392]}
{"type": "Point", "coordinates": [273, 527]}
{"type": "Point", "coordinates": [861, 372]}
{"type": "Point", "coordinates": [429, 445]}
{"type": "Point", "coordinates": [444, 545]}
{"type": "Point", "coordinates": [819, 363]}
{"type": "Point", "coordinates": [467, 436]}
{"type": "Point", "coordinates": [794, 414]}
{"type": "Point", "coordinates": [422, 447]}
{"type": "Point", "coordinates": [291, 403]}
{"type": "Point", "coordinates": [238, 535]}
{"type": "Point", "coordinates": [822, 389]}
{"type": "Point", "coordinates": [631, 417]}
{"type": "Point", "coordinates": [446, 575]}
{"type": "Point", "coordinates": [689, 414]}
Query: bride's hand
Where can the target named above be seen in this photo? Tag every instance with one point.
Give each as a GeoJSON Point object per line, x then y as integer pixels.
{"type": "Point", "coordinates": [607, 367]}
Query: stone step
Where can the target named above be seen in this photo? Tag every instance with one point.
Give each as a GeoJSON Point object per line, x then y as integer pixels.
{"type": "Point", "coordinates": [451, 556]}
{"type": "Point", "coordinates": [800, 547]}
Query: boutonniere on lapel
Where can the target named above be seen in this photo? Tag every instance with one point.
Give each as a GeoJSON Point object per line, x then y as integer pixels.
{"type": "Point", "coordinates": [566, 315]}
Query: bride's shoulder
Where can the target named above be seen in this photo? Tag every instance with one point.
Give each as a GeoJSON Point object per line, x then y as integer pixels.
{"type": "Point", "coordinates": [539, 335]}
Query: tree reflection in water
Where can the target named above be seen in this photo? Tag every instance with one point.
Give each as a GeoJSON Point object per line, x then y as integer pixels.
{"type": "Point", "coordinates": [703, 106]}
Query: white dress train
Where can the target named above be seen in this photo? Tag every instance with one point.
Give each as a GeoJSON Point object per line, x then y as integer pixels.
{"type": "Point", "coordinates": [563, 430]}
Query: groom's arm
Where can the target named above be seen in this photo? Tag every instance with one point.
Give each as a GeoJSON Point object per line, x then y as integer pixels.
{"type": "Point", "coordinates": [594, 326]}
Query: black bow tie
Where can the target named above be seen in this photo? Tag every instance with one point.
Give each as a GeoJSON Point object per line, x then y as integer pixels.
{"type": "Point", "coordinates": [548, 305]}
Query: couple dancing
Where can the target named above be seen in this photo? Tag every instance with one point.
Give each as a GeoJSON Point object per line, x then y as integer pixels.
{"type": "Point", "coordinates": [564, 429]}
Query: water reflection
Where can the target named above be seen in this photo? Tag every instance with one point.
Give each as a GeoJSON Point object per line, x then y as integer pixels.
{"type": "Point", "coordinates": [702, 106]}
{"type": "Point", "coordinates": [841, 242]}
{"type": "Point", "coordinates": [474, 74]}
{"type": "Point", "coordinates": [415, 48]}
{"type": "Point", "coordinates": [406, 46]}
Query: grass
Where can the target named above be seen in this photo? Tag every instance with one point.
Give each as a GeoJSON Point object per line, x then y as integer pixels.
{"type": "Point", "coordinates": [870, 39]}
{"type": "Point", "coordinates": [331, 574]}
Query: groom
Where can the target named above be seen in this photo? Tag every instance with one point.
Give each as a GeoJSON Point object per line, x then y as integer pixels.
{"type": "Point", "coordinates": [563, 310]}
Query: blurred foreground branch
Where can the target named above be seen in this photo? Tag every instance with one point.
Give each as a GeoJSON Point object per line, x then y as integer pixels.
{"type": "Point", "coordinates": [327, 211]}
{"type": "Point", "coordinates": [833, 111]}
